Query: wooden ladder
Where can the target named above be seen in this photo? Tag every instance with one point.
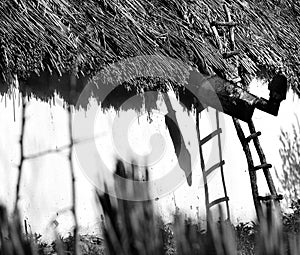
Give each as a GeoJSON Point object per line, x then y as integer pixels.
{"type": "Point", "coordinates": [252, 168]}
{"type": "Point", "coordinates": [253, 134]}
{"type": "Point", "coordinates": [207, 171]}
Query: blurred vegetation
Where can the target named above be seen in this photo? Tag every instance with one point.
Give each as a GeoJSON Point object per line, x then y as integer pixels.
{"type": "Point", "coordinates": [132, 227]}
{"type": "Point", "coordinates": [290, 155]}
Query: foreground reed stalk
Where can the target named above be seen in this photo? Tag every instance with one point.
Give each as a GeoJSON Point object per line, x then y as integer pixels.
{"type": "Point", "coordinates": [22, 158]}
{"type": "Point", "coordinates": [73, 186]}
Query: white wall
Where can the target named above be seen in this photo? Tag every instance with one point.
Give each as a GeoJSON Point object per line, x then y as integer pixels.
{"type": "Point", "coordinates": [46, 183]}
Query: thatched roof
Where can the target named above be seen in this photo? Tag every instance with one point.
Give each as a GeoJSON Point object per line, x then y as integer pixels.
{"type": "Point", "coordinates": [57, 35]}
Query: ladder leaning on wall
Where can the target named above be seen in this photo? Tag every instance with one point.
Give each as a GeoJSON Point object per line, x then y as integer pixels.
{"type": "Point", "coordinates": [253, 133]}
{"type": "Point", "coordinates": [219, 165]}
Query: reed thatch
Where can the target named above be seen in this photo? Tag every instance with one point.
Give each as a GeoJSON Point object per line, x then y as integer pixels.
{"type": "Point", "coordinates": [65, 35]}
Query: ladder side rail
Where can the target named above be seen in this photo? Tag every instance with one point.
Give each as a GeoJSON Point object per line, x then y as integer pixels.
{"type": "Point", "coordinates": [252, 174]}
{"type": "Point", "coordinates": [222, 165]}
{"type": "Point", "coordinates": [262, 158]}
{"type": "Point", "coordinates": [231, 29]}
{"type": "Point", "coordinates": [202, 163]}
{"type": "Point", "coordinates": [233, 52]}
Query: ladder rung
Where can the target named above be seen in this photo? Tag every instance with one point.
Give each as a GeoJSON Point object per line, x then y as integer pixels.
{"type": "Point", "coordinates": [210, 136]}
{"type": "Point", "coordinates": [231, 53]}
{"type": "Point", "coordinates": [224, 24]}
{"type": "Point", "coordinates": [214, 167]}
{"type": "Point", "coordinates": [263, 166]}
{"type": "Point", "coordinates": [252, 136]}
{"type": "Point", "coordinates": [270, 197]}
{"type": "Point", "coordinates": [218, 201]}
{"type": "Point", "coordinates": [236, 80]}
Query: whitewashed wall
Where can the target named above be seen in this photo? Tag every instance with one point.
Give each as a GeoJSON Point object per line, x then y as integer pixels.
{"type": "Point", "coordinates": [46, 183]}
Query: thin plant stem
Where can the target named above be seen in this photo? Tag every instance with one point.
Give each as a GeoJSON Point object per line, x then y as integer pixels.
{"type": "Point", "coordinates": [57, 150]}
{"type": "Point", "coordinates": [22, 158]}
{"type": "Point", "coordinates": [73, 186]}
